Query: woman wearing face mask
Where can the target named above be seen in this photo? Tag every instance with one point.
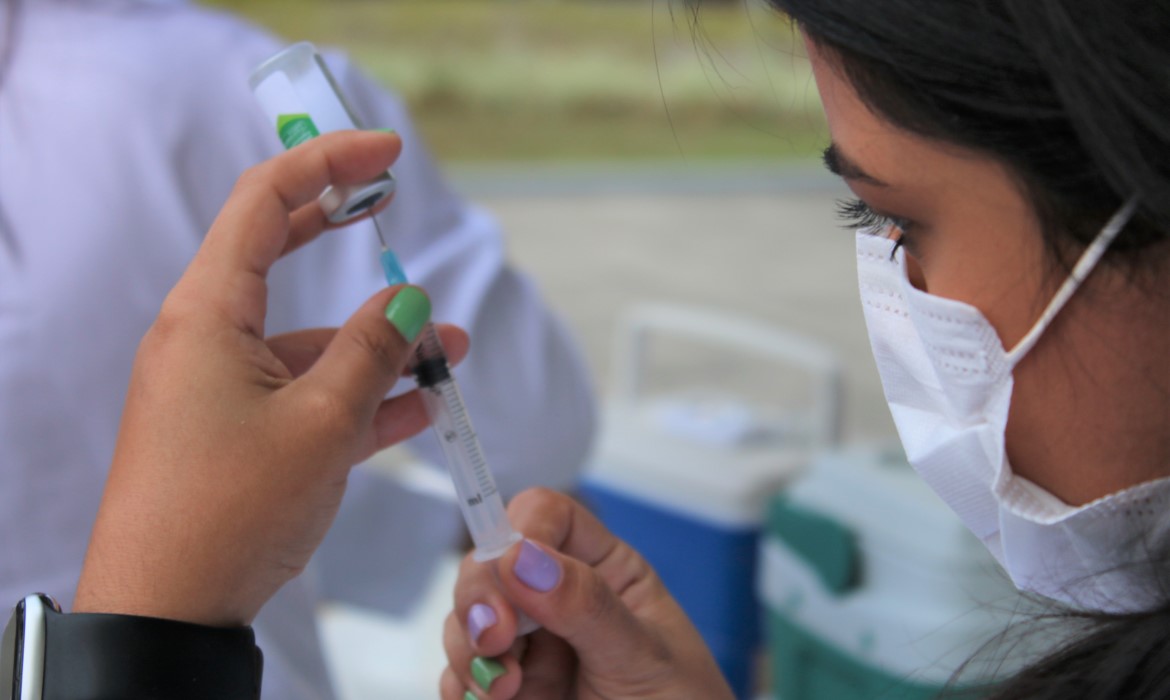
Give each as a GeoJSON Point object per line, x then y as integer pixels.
{"type": "Point", "coordinates": [1011, 164]}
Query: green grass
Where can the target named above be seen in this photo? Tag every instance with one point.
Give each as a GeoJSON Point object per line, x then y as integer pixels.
{"type": "Point", "coordinates": [576, 80]}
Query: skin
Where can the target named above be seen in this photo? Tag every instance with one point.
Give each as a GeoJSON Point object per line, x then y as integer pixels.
{"type": "Point", "coordinates": [234, 450]}
{"type": "Point", "coordinates": [1088, 417]}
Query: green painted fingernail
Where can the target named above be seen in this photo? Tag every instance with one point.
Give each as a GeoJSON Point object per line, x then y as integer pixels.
{"type": "Point", "coordinates": [387, 131]}
{"type": "Point", "coordinates": [469, 696]}
{"type": "Point", "coordinates": [486, 671]}
{"type": "Point", "coordinates": [409, 311]}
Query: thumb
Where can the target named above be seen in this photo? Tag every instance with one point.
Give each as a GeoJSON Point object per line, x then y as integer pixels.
{"type": "Point", "coordinates": [367, 355]}
{"type": "Point", "coordinates": [573, 601]}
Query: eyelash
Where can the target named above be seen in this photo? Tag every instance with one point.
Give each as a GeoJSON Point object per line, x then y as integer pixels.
{"type": "Point", "coordinates": [858, 215]}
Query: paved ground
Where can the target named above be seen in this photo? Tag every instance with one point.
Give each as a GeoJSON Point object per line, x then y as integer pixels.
{"type": "Point", "coordinates": [755, 241]}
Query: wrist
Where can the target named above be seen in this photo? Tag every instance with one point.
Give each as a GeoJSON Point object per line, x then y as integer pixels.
{"type": "Point", "coordinates": [123, 593]}
{"type": "Point", "coordinates": [135, 570]}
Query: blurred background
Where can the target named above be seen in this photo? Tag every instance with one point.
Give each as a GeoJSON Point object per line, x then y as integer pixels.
{"type": "Point", "coordinates": [636, 151]}
{"type": "Point", "coordinates": [575, 81]}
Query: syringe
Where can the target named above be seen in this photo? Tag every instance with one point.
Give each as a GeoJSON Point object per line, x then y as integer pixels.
{"type": "Point", "coordinates": [302, 100]}
{"type": "Point", "coordinates": [475, 487]}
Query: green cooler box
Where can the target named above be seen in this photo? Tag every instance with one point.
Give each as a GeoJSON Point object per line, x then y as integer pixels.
{"type": "Point", "coordinates": [873, 588]}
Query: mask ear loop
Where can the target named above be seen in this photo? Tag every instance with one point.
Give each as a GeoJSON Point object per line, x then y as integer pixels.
{"type": "Point", "coordinates": [1080, 272]}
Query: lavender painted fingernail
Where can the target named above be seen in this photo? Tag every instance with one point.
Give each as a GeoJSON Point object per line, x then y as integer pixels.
{"type": "Point", "coordinates": [479, 618]}
{"type": "Point", "coordinates": [536, 569]}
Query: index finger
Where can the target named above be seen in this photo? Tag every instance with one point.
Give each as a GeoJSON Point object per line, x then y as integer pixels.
{"type": "Point", "coordinates": [252, 230]}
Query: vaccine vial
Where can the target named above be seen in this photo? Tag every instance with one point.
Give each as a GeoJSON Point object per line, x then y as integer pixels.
{"type": "Point", "coordinates": [301, 99]}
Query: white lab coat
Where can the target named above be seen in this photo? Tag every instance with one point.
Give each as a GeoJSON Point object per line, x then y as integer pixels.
{"type": "Point", "coordinates": [123, 126]}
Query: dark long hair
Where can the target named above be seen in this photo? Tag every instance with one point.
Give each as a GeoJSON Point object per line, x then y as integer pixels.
{"type": "Point", "coordinates": [1073, 96]}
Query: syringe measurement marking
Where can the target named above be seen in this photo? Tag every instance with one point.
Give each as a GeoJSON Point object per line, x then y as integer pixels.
{"type": "Point", "coordinates": [470, 442]}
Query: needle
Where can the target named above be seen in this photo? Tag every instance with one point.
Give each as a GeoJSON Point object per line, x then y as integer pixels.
{"type": "Point", "coordinates": [378, 228]}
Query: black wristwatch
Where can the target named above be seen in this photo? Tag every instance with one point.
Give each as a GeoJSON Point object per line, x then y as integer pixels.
{"type": "Point", "coordinates": [48, 655]}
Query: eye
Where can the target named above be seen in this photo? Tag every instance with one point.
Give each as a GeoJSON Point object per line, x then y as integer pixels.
{"type": "Point", "coordinates": [856, 214]}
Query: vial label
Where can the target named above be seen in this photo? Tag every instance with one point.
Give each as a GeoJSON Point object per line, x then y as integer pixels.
{"type": "Point", "coordinates": [287, 110]}
{"type": "Point", "coordinates": [295, 129]}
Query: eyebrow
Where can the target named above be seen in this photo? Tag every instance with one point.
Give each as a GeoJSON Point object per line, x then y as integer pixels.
{"type": "Point", "coordinates": [840, 165]}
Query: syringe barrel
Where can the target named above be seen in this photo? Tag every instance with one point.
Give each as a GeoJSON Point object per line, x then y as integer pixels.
{"type": "Point", "coordinates": [302, 101]}
{"type": "Point", "coordinates": [475, 487]}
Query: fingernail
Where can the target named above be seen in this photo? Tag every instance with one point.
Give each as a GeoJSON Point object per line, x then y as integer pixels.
{"type": "Point", "coordinates": [409, 311]}
{"type": "Point", "coordinates": [386, 130]}
{"type": "Point", "coordinates": [486, 671]}
{"type": "Point", "coordinates": [469, 696]}
{"type": "Point", "coordinates": [479, 618]}
{"type": "Point", "coordinates": [536, 569]}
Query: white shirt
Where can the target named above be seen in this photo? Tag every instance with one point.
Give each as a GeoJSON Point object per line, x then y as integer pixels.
{"type": "Point", "coordinates": [122, 129]}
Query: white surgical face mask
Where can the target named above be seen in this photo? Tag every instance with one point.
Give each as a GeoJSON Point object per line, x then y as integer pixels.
{"type": "Point", "coordinates": [948, 381]}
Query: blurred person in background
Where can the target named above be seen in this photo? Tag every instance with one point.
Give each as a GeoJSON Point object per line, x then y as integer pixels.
{"type": "Point", "coordinates": [123, 125]}
{"type": "Point", "coordinates": [1011, 166]}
